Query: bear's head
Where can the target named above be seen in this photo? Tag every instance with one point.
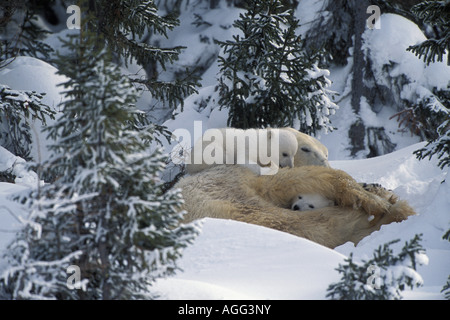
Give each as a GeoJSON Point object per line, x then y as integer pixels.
{"type": "Point", "coordinates": [310, 152]}
{"type": "Point", "coordinates": [287, 147]}
{"type": "Point", "coordinates": [305, 202]}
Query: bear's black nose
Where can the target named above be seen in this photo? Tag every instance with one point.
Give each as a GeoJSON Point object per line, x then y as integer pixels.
{"type": "Point", "coordinates": [296, 208]}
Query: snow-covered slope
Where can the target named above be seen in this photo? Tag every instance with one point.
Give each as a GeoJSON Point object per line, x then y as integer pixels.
{"type": "Point", "coordinates": [427, 190]}
{"type": "Point", "coordinates": [233, 260]}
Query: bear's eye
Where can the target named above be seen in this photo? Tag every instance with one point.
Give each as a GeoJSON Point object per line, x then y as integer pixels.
{"type": "Point", "coordinates": [284, 154]}
{"type": "Point", "coordinates": [300, 197]}
{"type": "Point", "coordinates": [311, 206]}
{"type": "Point", "coordinates": [305, 149]}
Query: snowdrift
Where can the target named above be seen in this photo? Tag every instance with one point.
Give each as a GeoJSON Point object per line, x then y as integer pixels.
{"type": "Point", "coordinates": [234, 260]}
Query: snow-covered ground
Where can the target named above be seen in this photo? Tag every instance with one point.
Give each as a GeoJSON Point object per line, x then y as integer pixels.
{"type": "Point", "coordinates": [234, 260]}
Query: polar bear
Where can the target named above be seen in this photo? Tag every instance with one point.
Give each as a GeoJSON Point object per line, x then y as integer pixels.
{"type": "Point", "coordinates": [310, 201]}
{"type": "Point", "coordinates": [262, 150]}
{"type": "Point", "coordinates": [235, 192]}
{"type": "Point", "coordinates": [311, 152]}
{"type": "Point", "coordinates": [380, 191]}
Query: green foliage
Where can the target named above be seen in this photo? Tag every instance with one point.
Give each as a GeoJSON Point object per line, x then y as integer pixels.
{"type": "Point", "coordinates": [265, 77]}
{"type": "Point", "coordinates": [17, 109]}
{"type": "Point", "coordinates": [332, 30]}
{"type": "Point", "coordinates": [106, 211]}
{"type": "Point", "coordinates": [20, 34]}
{"type": "Point", "coordinates": [123, 26]}
{"type": "Point", "coordinates": [439, 146]}
{"type": "Point", "coordinates": [446, 288]}
{"type": "Point", "coordinates": [435, 13]}
{"type": "Point", "coordinates": [382, 277]}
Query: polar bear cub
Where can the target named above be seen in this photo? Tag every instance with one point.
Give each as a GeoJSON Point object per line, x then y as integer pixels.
{"type": "Point", "coordinates": [261, 150]}
{"type": "Point", "coordinates": [305, 202]}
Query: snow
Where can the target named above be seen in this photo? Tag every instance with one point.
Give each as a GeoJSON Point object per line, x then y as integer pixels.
{"type": "Point", "coordinates": [234, 260]}
{"type": "Point", "coordinates": [27, 73]}
{"type": "Point", "coordinates": [388, 45]}
{"type": "Point", "coordinates": [421, 184]}
{"type": "Point", "coordinates": [199, 41]}
{"type": "Point", "coordinates": [307, 12]}
{"type": "Point", "coordinates": [386, 48]}
{"type": "Point", "coordinates": [246, 261]}
{"type": "Point", "coordinates": [18, 168]}
{"type": "Point", "coordinates": [10, 211]}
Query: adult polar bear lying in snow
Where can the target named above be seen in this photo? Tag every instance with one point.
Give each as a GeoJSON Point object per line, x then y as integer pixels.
{"type": "Point", "coordinates": [262, 150]}
{"type": "Point", "coordinates": [235, 192]}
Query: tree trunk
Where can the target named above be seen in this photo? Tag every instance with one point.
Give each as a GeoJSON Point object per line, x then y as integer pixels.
{"type": "Point", "coordinates": [357, 129]}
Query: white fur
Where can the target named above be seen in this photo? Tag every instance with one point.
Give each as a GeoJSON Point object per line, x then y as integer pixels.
{"type": "Point", "coordinates": [311, 152]}
{"type": "Point", "coordinates": [305, 202]}
{"type": "Point", "coordinates": [217, 147]}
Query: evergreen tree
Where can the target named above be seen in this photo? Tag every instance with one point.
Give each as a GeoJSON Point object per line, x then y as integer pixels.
{"type": "Point", "coordinates": [382, 277]}
{"type": "Point", "coordinates": [17, 109]}
{"type": "Point", "coordinates": [105, 212]}
{"type": "Point", "coordinates": [439, 146]}
{"type": "Point", "coordinates": [335, 25]}
{"type": "Point", "coordinates": [332, 30]}
{"type": "Point", "coordinates": [338, 30]}
{"type": "Point", "coordinates": [436, 13]}
{"type": "Point", "coordinates": [125, 27]}
{"type": "Point", "coordinates": [20, 34]}
{"type": "Point", "coordinates": [265, 77]}
{"type": "Point", "coordinates": [446, 288]}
